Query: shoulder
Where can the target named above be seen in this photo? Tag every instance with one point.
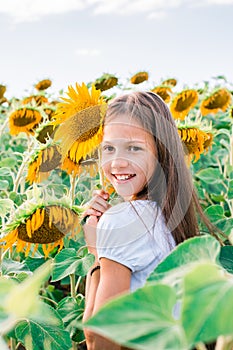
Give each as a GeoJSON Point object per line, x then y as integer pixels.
{"type": "Point", "coordinates": [128, 213]}
{"type": "Point", "coordinates": [126, 222]}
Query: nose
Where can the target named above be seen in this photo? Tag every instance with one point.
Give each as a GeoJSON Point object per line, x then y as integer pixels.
{"type": "Point", "coordinates": [119, 162]}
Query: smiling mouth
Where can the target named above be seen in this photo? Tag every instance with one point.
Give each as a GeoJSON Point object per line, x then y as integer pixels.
{"type": "Point", "coordinates": [123, 177]}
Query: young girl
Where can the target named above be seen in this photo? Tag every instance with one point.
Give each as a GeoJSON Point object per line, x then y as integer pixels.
{"type": "Point", "coordinates": [143, 158]}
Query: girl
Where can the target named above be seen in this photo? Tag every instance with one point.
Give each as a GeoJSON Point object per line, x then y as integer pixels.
{"type": "Point", "coordinates": [143, 158]}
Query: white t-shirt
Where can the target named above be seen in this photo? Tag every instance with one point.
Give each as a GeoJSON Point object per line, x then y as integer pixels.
{"type": "Point", "coordinates": [134, 234]}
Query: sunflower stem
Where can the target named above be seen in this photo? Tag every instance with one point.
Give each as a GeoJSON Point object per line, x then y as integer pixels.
{"type": "Point", "coordinates": [101, 174]}
{"type": "Point", "coordinates": [49, 299]}
{"type": "Point", "coordinates": [13, 344]}
{"type": "Point", "coordinates": [22, 166]}
{"type": "Point", "coordinates": [77, 284]}
{"type": "Point", "coordinates": [200, 346]}
{"type": "Point", "coordinates": [73, 294]}
{"type": "Point", "coordinates": [72, 285]}
{"type": "Point", "coordinates": [3, 126]}
{"type": "Point", "coordinates": [72, 188]}
{"type": "Point", "coordinates": [231, 147]}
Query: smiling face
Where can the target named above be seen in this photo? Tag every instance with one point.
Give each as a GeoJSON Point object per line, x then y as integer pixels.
{"type": "Point", "coordinates": [128, 156]}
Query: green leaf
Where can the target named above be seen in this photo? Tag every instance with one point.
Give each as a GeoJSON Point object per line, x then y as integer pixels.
{"type": "Point", "coordinates": [4, 184]}
{"type": "Point", "coordinates": [192, 250]}
{"type": "Point", "coordinates": [226, 258]}
{"type": "Point", "coordinates": [207, 305]}
{"type": "Point", "coordinates": [215, 213]}
{"type": "Point", "coordinates": [4, 171]}
{"type": "Point", "coordinates": [71, 310]}
{"type": "Point", "coordinates": [17, 198]}
{"type": "Point", "coordinates": [210, 175]}
{"type": "Point", "coordinates": [34, 263]}
{"type": "Point", "coordinates": [230, 190]}
{"type": "Point", "coordinates": [6, 205]}
{"type": "Point", "coordinates": [141, 320]}
{"type": "Point", "coordinates": [8, 162]}
{"type": "Point", "coordinates": [5, 287]}
{"type": "Point", "coordinates": [10, 266]}
{"type": "Point", "coordinates": [67, 262]}
{"type": "Point", "coordinates": [48, 334]}
{"type": "Point", "coordinates": [22, 300]}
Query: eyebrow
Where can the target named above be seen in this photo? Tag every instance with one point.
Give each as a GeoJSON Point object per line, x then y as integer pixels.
{"type": "Point", "coordinates": [125, 141]}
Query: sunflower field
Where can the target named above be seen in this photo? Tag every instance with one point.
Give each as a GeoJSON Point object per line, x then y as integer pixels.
{"type": "Point", "coordinates": [48, 170]}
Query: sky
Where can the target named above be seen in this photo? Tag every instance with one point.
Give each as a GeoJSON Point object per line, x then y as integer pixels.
{"type": "Point", "coordinates": [71, 41]}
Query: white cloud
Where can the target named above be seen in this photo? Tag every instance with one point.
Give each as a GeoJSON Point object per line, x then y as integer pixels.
{"type": "Point", "coordinates": [31, 10]}
{"type": "Point", "coordinates": [87, 52]}
{"type": "Point", "coordinates": [28, 10]}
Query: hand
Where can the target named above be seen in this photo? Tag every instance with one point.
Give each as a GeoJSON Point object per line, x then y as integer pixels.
{"type": "Point", "coordinates": [96, 207]}
{"type": "Point", "coordinates": [98, 204]}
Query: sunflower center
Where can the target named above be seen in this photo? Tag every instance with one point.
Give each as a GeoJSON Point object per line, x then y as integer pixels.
{"type": "Point", "coordinates": [184, 103]}
{"type": "Point", "coordinates": [23, 121]}
{"type": "Point", "coordinates": [218, 100]}
{"type": "Point", "coordinates": [88, 122]}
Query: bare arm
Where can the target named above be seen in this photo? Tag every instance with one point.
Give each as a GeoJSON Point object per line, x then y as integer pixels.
{"type": "Point", "coordinates": [110, 281]}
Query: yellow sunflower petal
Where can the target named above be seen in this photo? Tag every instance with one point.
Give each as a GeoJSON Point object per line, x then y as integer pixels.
{"type": "Point", "coordinates": [218, 100]}
{"type": "Point", "coordinates": [182, 103]}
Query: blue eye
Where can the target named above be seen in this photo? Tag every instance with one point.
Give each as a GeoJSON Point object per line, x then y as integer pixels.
{"type": "Point", "coordinates": [108, 148]}
{"type": "Point", "coordinates": [134, 148]}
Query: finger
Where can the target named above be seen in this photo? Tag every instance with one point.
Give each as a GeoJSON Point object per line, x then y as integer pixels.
{"type": "Point", "coordinates": [101, 193]}
{"type": "Point", "coordinates": [99, 204]}
{"type": "Point", "coordinates": [91, 211]}
{"type": "Point", "coordinates": [92, 220]}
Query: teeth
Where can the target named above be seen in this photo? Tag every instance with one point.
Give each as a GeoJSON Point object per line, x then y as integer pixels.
{"type": "Point", "coordinates": [123, 177]}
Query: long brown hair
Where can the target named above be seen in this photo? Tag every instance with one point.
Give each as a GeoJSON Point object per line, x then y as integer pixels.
{"type": "Point", "coordinates": [171, 184]}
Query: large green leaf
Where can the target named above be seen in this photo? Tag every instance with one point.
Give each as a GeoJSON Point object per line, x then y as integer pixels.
{"type": "Point", "coordinates": [6, 205]}
{"type": "Point", "coordinates": [230, 190]}
{"type": "Point", "coordinates": [207, 304]}
{"type": "Point", "coordinates": [71, 310]}
{"type": "Point", "coordinates": [215, 213]}
{"type": "Point", "coordinates": [141, 320]}
{"type": "Point", "coordinates": [34, 263]}
{"type": "Point", "coordinates": [67, 262]}
{"type": "Point", "coordinates": [22, 299]}
{"type": "Point", "coordinates": [11, 266]}
{"type": "Point", "coordinates": [192, 250]}
{"type": "Point", "coordinates": [226, 258]}
{"type": "Point", "coordinates": [46, 334]}
{"type": "Point", "coordinates": [210, 175]}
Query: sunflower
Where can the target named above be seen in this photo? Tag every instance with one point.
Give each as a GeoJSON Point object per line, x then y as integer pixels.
{"type": "Point", "coordinates": [3, 99]}
{"type": "Point", "coordinates": [73, 168]}
{"type": "Point", "coordinates": [24, 119]}
{"type": "Point", "coordinates": [45, 225]}
{"type": "Point", "coordinates": [43, 161]}
{"type": "Point", "coordinates": [70, 167]}
{"type": "Point", "coordinates": [45, 132]}
{"type": "Point", "coordinates": [195, 141]}
{"type": "Point", "coordinates": [2, 91]}
{"type": "Point", "coordinates": [182, 103]}
{"type": "Point", "coordinates": [82, 116]}
{"type": "Point", "coordinates": [106, 82]}
{"type": "Point", "coordinates": [36, 99]}
{"type": "Point", "coordinates": [79, 99]}
{"type": "Point", "coordinates": [139, 77]}
{"type": "Point", "coordinates": [218, 100]}
{"type": "Point", "coordinates": [43, 84]}
{"type": "Point", "coordinates": [169, 82]}
{"type": "Point", "coordinates": [231, 112]}
{"type": "Point", "coordinates": [49, 111]}
{"type": "Point", "coordinates": [164, 92]}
